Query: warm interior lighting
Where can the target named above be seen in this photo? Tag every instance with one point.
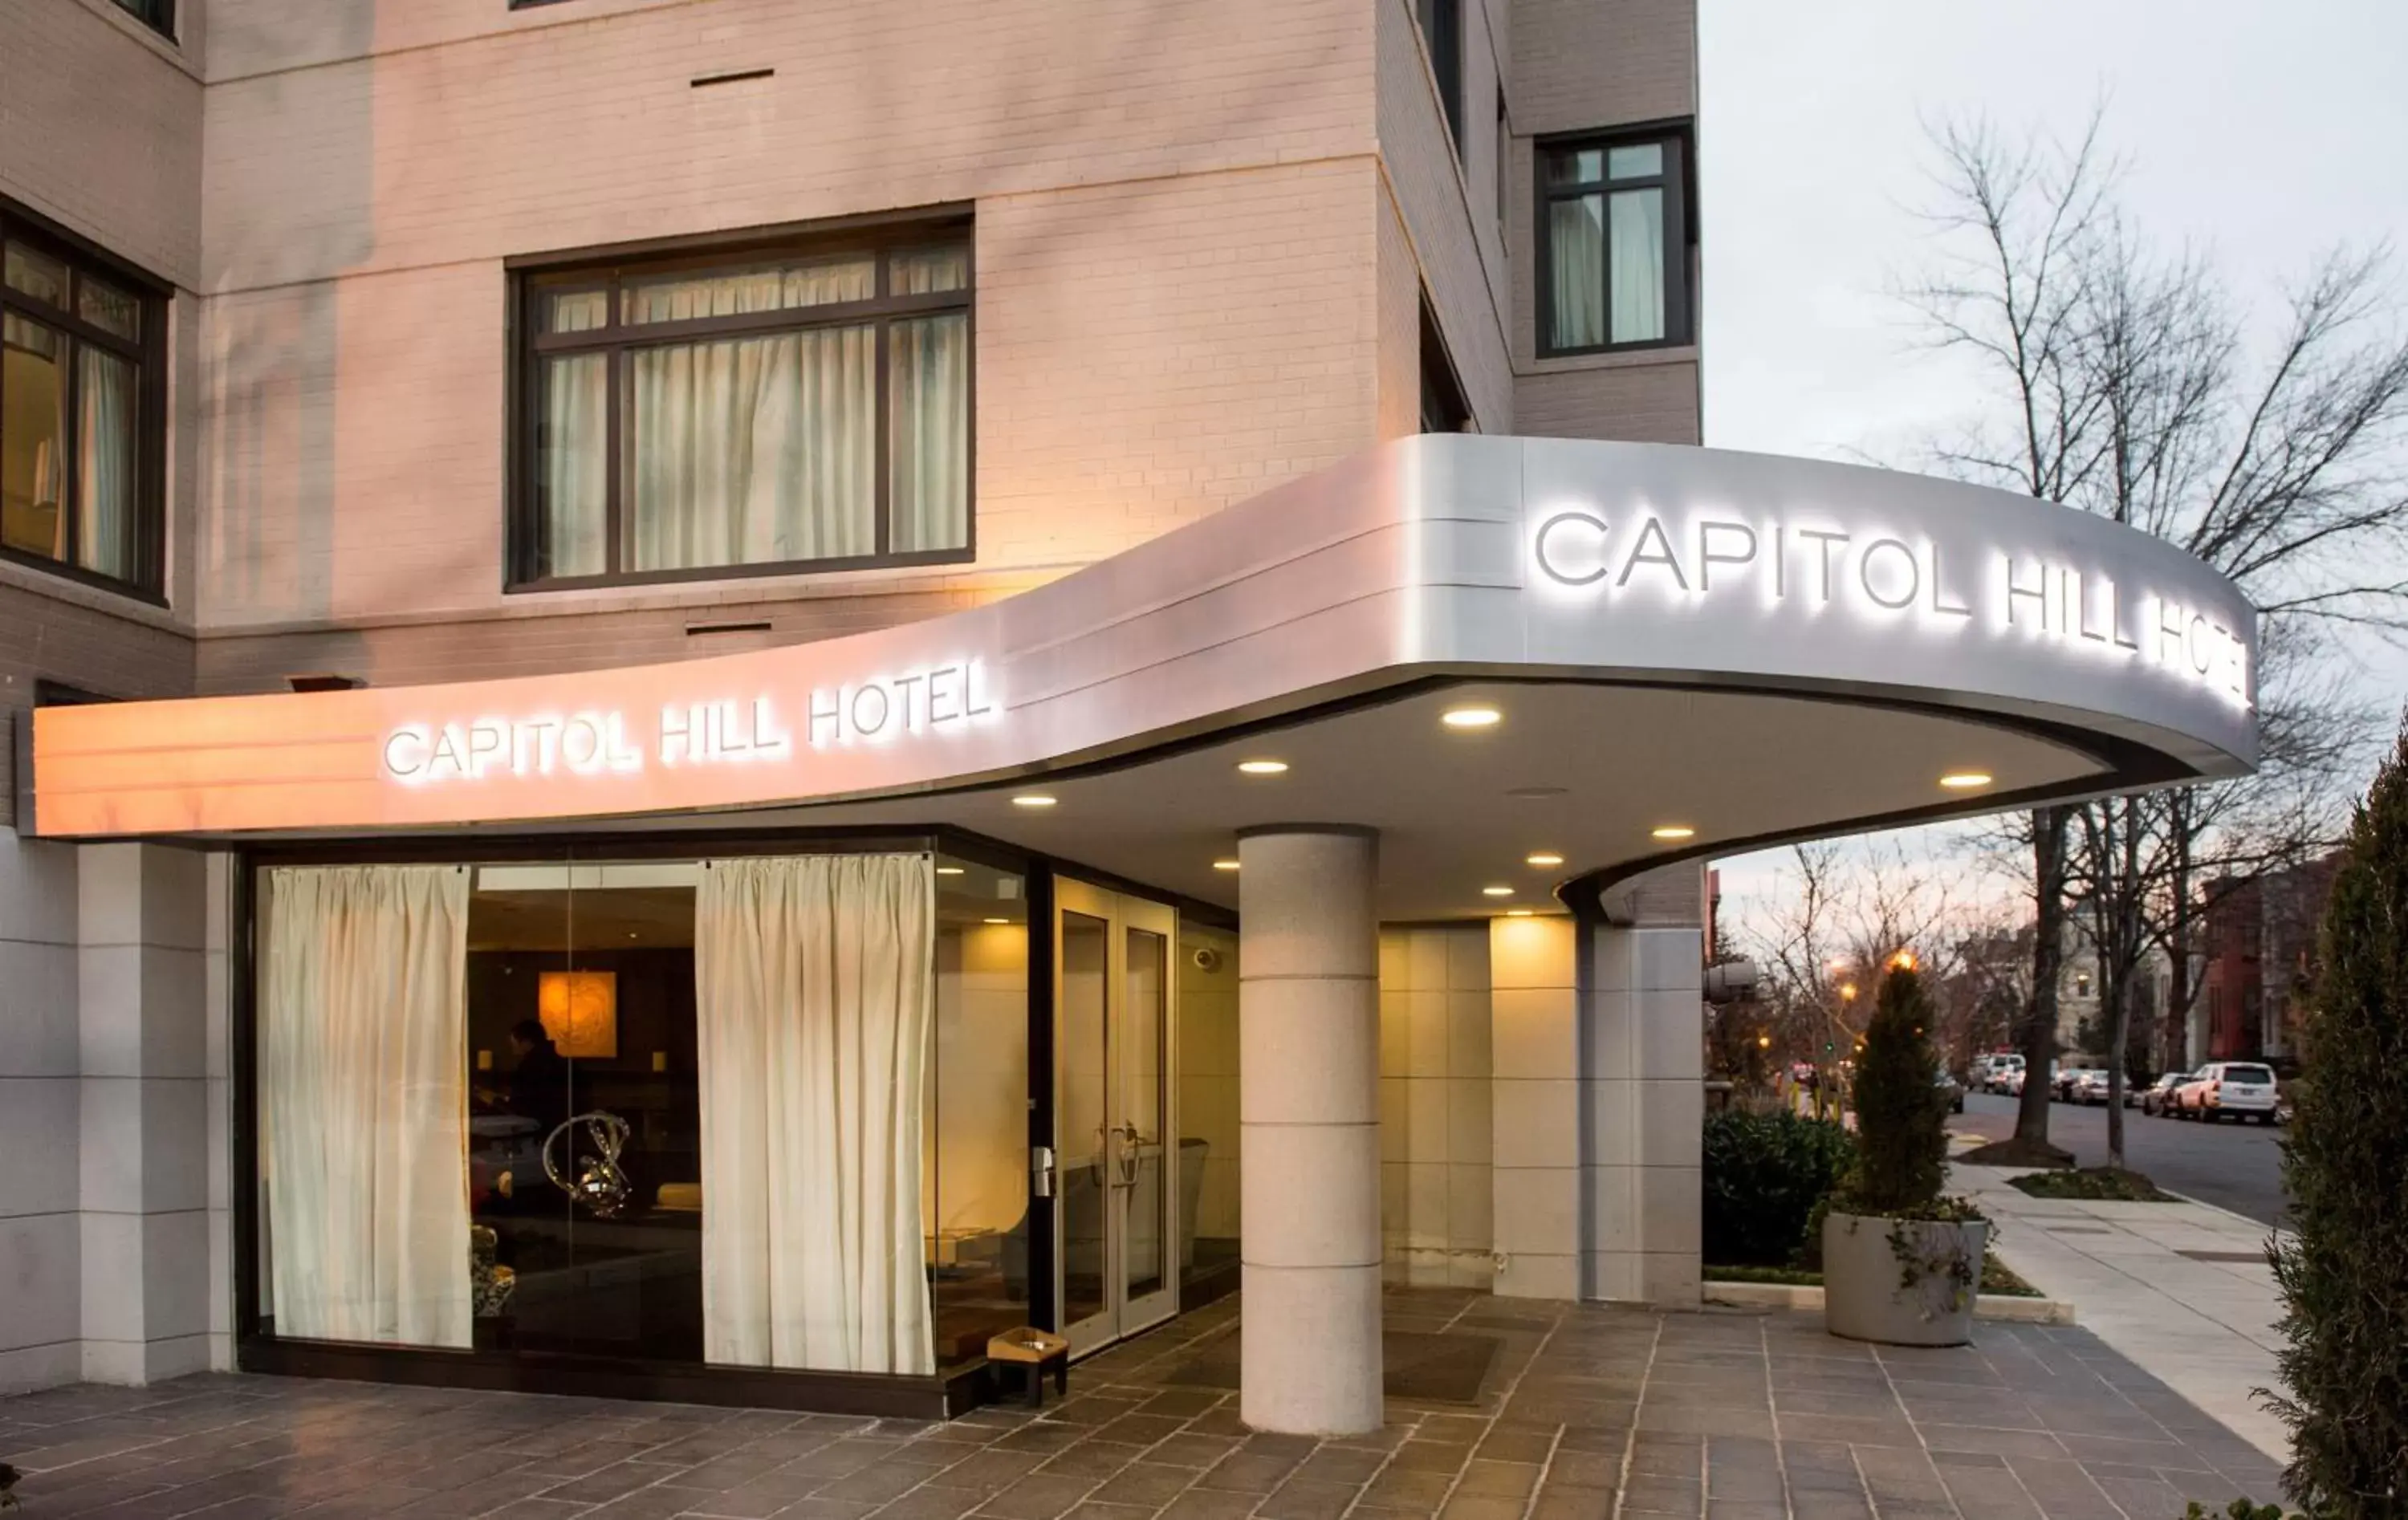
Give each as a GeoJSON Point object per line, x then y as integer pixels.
{"type": "Point", "coordinates": [1544, 859]}
{"type": "Point", "coordinates": [1518, 912]}
{"type": "Point", "coordinates": [998, 921]}
{"type": "Point", "coordinates": [1474, 717]}
{"type": "Point", "coordinates": [1964, 780]}
{"type": "Point", "coordinates": [1263, 767]}
{"type": "Point", "coordinates": [1674, 831]}
{"type": "Point", "coordinates": [1033, 799]}
{"type": "Point", "coordinates": [1226, 863]}
{"type": "Point", "coordinates": [1497, 891]}
{"type": "Point", "coordinates": [949, 870]}
{"type": "Point", "coordinates": [580, 1011]}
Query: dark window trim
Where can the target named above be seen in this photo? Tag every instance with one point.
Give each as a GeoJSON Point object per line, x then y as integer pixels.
{"type": "Point", "coordinates": [158, 15]}
{"type": "Point", "coordinates": [602, 269]}
{"type": "Point", "coordinates": [149, 354]}
{"type": "Point", "coordinates": [1439, 381]}
{"type": "Point", "coordinates": [1679, 182]}
{"type": "Point", "coordinates": [1442, 26]}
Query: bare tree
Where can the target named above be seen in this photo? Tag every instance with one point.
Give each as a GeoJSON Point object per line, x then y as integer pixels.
{"type": "Point", "coordinates": [2125, 389]}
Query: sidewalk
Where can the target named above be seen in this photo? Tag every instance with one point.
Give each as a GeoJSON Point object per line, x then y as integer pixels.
{"type": "Point", "coordinates": [2181, 1289]}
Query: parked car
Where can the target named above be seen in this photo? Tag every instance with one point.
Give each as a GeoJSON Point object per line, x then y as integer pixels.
{"type": "Point", "coordinates": [2012, 1083]}
{"type": "Point", "coordinates": [2061, 1079]}
{"type": "Point", "coordinates": [2001, 1067]}
{"type": "Point", "coordinates": [2159, 1097]}
{"type": "Point", "coordinates": [2089, 1086]}
{"type": "Point", "coordinates": [1954, 1089]}
{"type": "Point", "coordinates": [2241, 1090]}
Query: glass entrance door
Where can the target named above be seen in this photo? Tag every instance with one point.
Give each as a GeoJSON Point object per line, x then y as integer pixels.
{"type": "Point", "coordinates": [1114, 1032]}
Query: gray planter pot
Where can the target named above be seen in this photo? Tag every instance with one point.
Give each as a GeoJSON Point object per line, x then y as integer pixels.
{"type": "Point", "coordinates": [1872, 1290]}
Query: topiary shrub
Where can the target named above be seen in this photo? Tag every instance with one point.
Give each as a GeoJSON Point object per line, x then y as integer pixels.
{"type": "Point", "coordinates": [1763, 1175]}
{"type": "Point", "coordinates": [2342, 1273]}
{"type": "Point", "coordinates": [1902, 1114]}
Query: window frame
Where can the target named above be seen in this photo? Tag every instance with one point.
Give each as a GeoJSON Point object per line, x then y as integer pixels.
{"type": "Point", "coordinates": [1442, 22]}
{"type": "Point", "coordinates": [1678, 182]}
{"type": "Point", "coordinates": [158, 15]}
{"type": "Point", "coordinates": [606, 270]}
{"type": "Point", "coordinates": [147, 353]}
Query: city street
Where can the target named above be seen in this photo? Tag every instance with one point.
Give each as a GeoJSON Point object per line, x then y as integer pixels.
{"type": "Point", "coordinates": [2235, 1167]}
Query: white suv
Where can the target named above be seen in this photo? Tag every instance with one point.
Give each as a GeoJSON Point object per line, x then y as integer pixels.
{"type": "Point", "coordinates": [2242, 1090]}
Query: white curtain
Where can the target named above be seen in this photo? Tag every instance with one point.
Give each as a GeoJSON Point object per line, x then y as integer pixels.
{"type": "Point", "coordinates": [362, 1084]}
{"type": "Point", "coordinates": [1576, 259]}
{"type": "Point", "coordinates": [1636, 223]}
{"type": "Point", "coordinates": [104, 488]}
{"type": "Point", "coordinates": [929, 381]}
{"type": "Point", "coordinates": [752, 450]}
{"type": "Point", "coordinates": [575, 463]}
{"type": "Point", "coordinates": [813, 988]}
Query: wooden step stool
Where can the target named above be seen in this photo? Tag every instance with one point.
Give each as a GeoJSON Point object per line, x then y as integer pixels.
{"type": "Point", "coordinates": [1038, 1351]}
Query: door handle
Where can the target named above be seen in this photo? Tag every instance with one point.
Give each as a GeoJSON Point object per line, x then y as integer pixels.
{"type": "Point", "coordinates": [1041, 1172]}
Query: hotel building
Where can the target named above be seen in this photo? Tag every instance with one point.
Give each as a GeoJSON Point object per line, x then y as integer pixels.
{"type": "Point", "coordinates": [709, 698]}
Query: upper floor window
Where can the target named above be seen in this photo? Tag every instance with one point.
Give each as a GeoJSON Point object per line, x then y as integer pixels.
{"type": "Point", "coordinates": [1442, 22]}
{"type": "Point", "coordinates": [1614, 243]}
{"type": "Point", "coordinates": [788, 408]}
{"type": "Point", "coordinates": [158, 15]}
{"type": "Point", "coordinates": [81, 424]}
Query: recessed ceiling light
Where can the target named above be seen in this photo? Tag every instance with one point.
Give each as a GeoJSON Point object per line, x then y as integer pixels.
{"type": "Point", "coordinates": [1226, 863]}
{"type": "Point", "coordinates": [1674, 831]}
{"type": "Point", "coordinates": [998, 921]}
{"type": "Point", "coordinates": [1497, 891]}
{"type": "Point", "coordinates": [949, 870]}
{"type": "Point", "coordinates": [1263, 767]}
{"type": "Point", "coordinates": [1544, 859]}
{"type": "Point", "coordinates": [1964, 780]}
{"type": "Point", "coordinates": [1518, 912]}
{"type": "Point", "coordinates": [1034, 800]}
{"type": "Point", "coordinates": [1471, 717]}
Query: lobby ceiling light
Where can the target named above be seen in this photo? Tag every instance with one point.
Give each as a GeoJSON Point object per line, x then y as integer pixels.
{"type": "Point", "coordinates": [1496, 891]}
{"type": "Point", "coordinates": [1034, 800]}
{"type": "Point", "coordinates": [1964, 780]}
{"type": "Point", "coordinates": [949, 870]}
{"type": "Point", "coordinates": [1263, 767]}
{"type": "Point", "coordinates": [1519, 912]}
{"type": "Point", "coordinates": [1672, 831]}
{"type": "Point", "coordinates": [998, 921]}
{"type": "Point", "coordinates": [1544, 860]}
{"type": "Point", "coordinates": [1226, 863]}
{"type": "Point", "coordinates": [1471, 717]}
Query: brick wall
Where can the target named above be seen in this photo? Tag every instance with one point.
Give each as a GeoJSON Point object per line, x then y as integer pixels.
{"type": "Point", "coordinates": [1175, 210]}
{"type": "Point", "coordinates": [1579, 64]}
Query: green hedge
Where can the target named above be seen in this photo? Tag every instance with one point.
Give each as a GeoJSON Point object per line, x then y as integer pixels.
{"type": "Point", "coordinates": [1764, 1173]}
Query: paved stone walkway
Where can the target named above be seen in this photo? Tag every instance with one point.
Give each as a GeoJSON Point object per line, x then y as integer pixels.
{"type": "Point", "coordinates": [2181, 1289]}
{"type": "Point", "coordinates": [1583, 1412]}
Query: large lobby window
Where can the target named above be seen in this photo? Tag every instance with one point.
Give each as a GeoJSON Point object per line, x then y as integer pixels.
{"type": "Point", "coordinates": [798, 407]}
{"type": "Point", "coordinates": [1612, 244]}
{"type": "Point", "coordinates": [761, 1111]}
{"type": "Point", "coordinates": [79, 423]}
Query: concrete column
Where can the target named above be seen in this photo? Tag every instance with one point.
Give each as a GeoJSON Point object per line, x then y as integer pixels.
{"type": "Point", "coordinates": [142, 978]}
{"type": "Point", "coordinates": [1643, 1067]}
{"type": "Point", "coordinates": [1309, 1117]}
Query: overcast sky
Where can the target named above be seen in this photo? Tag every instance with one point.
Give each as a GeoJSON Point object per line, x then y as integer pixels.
{"type": "Point", "coordinates": [2261, 133]}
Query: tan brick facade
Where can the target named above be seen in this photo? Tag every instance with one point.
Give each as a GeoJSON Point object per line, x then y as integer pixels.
{"type": "Point", "coordinates": [1204, 235]}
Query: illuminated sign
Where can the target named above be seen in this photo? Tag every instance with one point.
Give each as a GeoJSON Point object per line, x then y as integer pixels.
{"type": "Point", "coordinates": [1905, 578]}
{"type": "Point", "coordinates": [683, 734]}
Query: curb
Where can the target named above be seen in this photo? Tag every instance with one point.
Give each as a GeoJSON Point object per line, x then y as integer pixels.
{"type": "Point", "coordinates": [1798, 1296]}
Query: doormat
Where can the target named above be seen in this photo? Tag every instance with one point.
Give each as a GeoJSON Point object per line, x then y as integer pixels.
{"type": "Point", "coordinates": [1427, 1368]}
{"type": "Point", "coordinates": [2257, 1256]}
